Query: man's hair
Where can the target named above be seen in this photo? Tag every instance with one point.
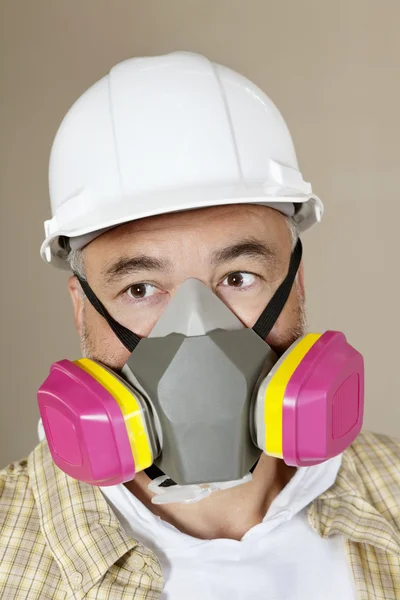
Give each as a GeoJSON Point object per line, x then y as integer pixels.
{"type": "Point", "coordinates": [76, 262]}
{"type": "Point", "coordinates": [75, 258]}
{"type": "Point", "coordinates": [294, 230]}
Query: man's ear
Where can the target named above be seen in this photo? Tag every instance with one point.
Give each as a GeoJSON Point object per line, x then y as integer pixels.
{"type": "Point", "coordinates": [77, 297]}
{"type": "Point", "coordinates": [300, 281]}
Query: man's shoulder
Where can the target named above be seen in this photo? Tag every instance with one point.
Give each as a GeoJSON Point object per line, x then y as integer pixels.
{"type": "Point", "coordinates": [15, 473]}
{"type": "Point", "coordinates": [15, 489]}
{"type": "Point", "coordinates": [375, 461]}
{"type": "Point", "coordinates": [371, 449]}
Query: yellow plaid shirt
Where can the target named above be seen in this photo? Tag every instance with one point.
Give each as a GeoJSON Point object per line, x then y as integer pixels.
{"type": "Point", "coordinates": [59, 538]}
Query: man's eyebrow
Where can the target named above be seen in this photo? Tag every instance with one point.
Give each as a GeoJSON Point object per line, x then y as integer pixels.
{"type": "Point", "coordinates": [249, 247]}
{"type": "Point", "coordinates": [135, 264]}
{"type": "Point", "coordinates": [130, 265]}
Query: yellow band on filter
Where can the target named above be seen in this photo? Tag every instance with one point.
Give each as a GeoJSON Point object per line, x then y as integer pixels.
{"type": "Point", "coordinates": [275, 393]}
{"type": "Point", "coordinates": [130, 408]}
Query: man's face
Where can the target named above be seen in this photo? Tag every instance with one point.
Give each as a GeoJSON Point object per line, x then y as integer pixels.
{"type": "Point", "coordinates": [241, 252]}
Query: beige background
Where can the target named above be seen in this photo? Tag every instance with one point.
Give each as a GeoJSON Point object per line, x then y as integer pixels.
{"type": "Point", "coordinates": [332, 67]}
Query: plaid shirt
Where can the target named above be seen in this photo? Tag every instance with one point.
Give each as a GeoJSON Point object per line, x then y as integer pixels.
{"type": "Point", "coordinates": [59, 538]}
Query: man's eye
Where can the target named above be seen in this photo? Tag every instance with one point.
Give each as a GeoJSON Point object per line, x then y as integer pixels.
{"type": "Point", "coordinates": [239, 279]}
{"type": "Point", "coordinates": [141, 290]}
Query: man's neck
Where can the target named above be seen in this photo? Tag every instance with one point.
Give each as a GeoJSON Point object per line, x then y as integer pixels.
{"type": "Point", "coordinates": [224, 514]}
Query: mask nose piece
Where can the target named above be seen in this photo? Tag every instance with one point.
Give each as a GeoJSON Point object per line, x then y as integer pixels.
{"type": "Point", "coordinates": [193, 311]}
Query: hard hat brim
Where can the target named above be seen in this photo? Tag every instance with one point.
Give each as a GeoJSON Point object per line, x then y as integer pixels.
{"type": "Point", "coordinates": [309, 210]}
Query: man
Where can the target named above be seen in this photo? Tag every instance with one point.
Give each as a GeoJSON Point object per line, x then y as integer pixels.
{"type": "Point", "coordinates": [174, 179]}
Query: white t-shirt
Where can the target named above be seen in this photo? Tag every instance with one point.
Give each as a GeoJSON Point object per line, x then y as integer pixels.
{"type": "Point", "coordinates": [282, 558]}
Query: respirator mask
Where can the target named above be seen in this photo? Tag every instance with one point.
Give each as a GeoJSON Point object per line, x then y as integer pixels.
{"type": "Point", "coordinates": [201, 398]}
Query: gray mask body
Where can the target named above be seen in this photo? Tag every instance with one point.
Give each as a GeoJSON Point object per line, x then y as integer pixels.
{"type": "Point", "coordinates": [199, 371]}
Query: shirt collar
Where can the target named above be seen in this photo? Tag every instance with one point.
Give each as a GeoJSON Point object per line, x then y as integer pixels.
{"type": "Point", "coordinates": [82, 532]}
{"type": "Point", "coordinates": [307, 484]}
{"type": "Point", "coordinates": [346, 508]}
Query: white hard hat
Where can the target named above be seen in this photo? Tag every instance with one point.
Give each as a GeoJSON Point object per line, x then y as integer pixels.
{"type": "Point", "coordinates": [164, 134]}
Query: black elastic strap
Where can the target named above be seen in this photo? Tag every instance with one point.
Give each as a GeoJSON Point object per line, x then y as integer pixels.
{"type": "Point", "coordinates": [129, 339]}
{"type": "Point", "coordinates": [275, 306]}
{"type": "Point", "coordinates": [153, 472]}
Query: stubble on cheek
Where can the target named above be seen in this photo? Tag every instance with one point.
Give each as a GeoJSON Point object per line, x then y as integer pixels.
{"type": "Point", "coordinates": [290, 327]}
{"type": "Point", "coordinates": [300, 327]}
{"type": "Point", "coordinates": [101, 344]}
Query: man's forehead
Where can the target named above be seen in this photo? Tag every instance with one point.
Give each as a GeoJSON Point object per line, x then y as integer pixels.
{"type": "Point", "coordinates": [213, 236]}
{"type": "Point", "coordinates": [222, 219]}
